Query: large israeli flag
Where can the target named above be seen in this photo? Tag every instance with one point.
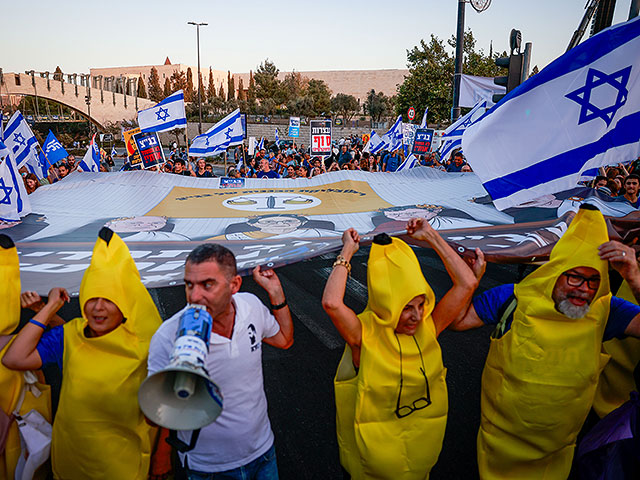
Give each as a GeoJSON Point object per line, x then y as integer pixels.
{"type": "Point", "coordinates": [53, 149]}
{"type": "Point", "coordinates": [14, 201]}
{"type": "Point", "coordinates": [580, 112]}
{"type": "Point", "coordinates": [166, 115]}
{"type": "Point", "coordinates": [20, 139]}
{"type": "Point", "coordinates": [224, 134]}
{"type": "Point", "coordinates": [91, 160]}
{"type": "Point", "coordinates": [452, 136]}
{"type": "Point", "coordinates": [393, 137]}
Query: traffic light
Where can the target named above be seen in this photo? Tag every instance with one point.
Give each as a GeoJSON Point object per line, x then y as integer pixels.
{"type": "Point", "coordinates": [514, 62]}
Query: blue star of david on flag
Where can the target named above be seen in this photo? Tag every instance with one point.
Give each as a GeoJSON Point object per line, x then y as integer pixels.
{"type": "Point", "coordinates": [7, 192]}
{"type": "Point", "coordinates": [595, 78]}
{"type": "Point", "coordinates": [227, 133]}
{"type": "Point", "coordinates": [19, 139]}
{"type": "Point", "coordinates": [163, 114]}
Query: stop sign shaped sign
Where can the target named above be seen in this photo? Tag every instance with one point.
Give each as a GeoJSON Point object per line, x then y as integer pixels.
{"type": "Point", "coordinates": [411, 113]}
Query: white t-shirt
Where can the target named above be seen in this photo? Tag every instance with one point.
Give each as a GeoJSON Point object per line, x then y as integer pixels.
{"type": "Point", "coordinates": [242, 432]}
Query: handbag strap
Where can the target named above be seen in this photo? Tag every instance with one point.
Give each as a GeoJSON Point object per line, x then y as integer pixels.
{"type": "Point", "coordinates": [30, 381]}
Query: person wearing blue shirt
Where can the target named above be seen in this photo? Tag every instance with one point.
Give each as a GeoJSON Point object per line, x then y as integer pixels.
{"type": "Point", "coordinates": [457, 163]}
{"type": "Point", "coordinates": [265, 170]}
{"type": "Point", "coordinates": [391, 161]}
{"type": "Point", "coordinates": [345, 156]}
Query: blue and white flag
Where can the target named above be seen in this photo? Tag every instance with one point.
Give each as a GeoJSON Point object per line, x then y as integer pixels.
{"type": "Point", "coordinates": [393, 137]}
{"type": "Point", "coordinates": [260, 145]}
{"type": "Point", "coordinates": [14, 202]}
{"type": "Point", "coordinates": [277, 138]}
{"type": "Point", "coordinates": [582, 111]}
{"type": "Point", "coordinates": [409, 162]}
{"type": "Point", "coordinates": [20, 139]}
{"type": "Point", "coordinates": [224, 134]}
{"type": "Point", "coordinates": [114, 152]}
{"type": "Point", "coordinates": [375, 144]}
{"type": "Point", "coordinates": [91, 160]}
{"type": "Point", "coordinates": [53, 149]}
{"type": "Point", "coordinates": [37, 163]}
{"type": "Point", "coordinates": [166, 115]}
{"type": "Point", "coordinates": [452, 136]}
{"type": "Point", "coordinates": [423, 123]}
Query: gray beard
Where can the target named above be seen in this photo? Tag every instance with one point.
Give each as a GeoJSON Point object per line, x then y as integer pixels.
{"type": "Point", "coordinates": [573, 311]}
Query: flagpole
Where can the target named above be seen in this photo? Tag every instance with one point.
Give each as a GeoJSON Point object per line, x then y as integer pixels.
{"type": "Point", "coordinates": [225, 163]}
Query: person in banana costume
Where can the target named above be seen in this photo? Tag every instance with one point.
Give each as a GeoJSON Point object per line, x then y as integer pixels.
{"type": "Point", "coordinates": [390, 388]}
{"type": "Point", "coordinates": [99, 431]}
{"type": "Point", "coordinates": [12, 383]}
{"type": "Point", "coordinates": [545, 357]}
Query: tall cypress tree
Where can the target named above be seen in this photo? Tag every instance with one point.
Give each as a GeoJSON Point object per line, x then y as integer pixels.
{"type": "Point", "coordinates": [142, 91]}
{"type": "Point", "coordinates": [155, 91]}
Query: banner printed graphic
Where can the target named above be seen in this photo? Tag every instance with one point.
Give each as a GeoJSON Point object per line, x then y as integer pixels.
{"type": "Point", "coordinates": [422, 141]}
{"type": "Point", "coordinates": [150, 149]}
{"type": "Point", "coordinates": [320, 131]}
{"type": "Point", "coordinates": [277, 222]}
{"type": "Point", "coordinates": [133, 155]}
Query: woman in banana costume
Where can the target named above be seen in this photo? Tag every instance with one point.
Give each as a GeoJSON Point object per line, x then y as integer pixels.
{"type": "Point", "coordinates": [391, 394]}
{"type": "Point", "coordinates": [99, 431]}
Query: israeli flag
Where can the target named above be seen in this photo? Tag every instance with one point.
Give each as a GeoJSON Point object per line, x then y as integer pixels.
{"type": "Point", "coordinates": [582, 111]}
{"type": "Point", "coordinates": [277, 138]}
{"type": "Point", "coordinates": [375, 144]}
{"type": "Point", "coordinates": [260, 145]}
{"type": "Point", "coordinates": [452, 136]}
{"type": "Point", "coordinates": [37, 163]}
{"type": "Point", "coordinates": [14, 201]}
{"type": "Point", "coordinates": [91, 160]}
{"type": "Point", "coordinates": [165, 116]}
{"type": "Point", "coordinates": [19, 138]}
{"type": "Point", "coordinates": [224, 134]}
{"type": "Point", "coordinates": [423, 123]}
{"type": "Point", "coordinates": [393, 137]}
{"type": "Point", "coordinates": [53, 149]}
{"type": "Point", "coordinates": [114, 153]}
{"type": "Point", "coordinates": [409, 162]}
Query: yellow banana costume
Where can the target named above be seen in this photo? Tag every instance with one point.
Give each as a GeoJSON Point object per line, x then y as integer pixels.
{"type": "Point", "coordinates": [373, 442]}
{"type": "Point", "coordinates": [616, 381]}
{"type": "Point", "coordinates": [12, 382]}
{"type": "Point", "coordinates": [99, 431]}
{"type": "Point", "coordinates": [539, 380]}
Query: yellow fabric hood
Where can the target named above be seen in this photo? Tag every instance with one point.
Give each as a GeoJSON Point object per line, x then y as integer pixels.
{"type": "Point", "coordinates": [10, 281]}
{"type": "Point", "coordinates": [394, 278]}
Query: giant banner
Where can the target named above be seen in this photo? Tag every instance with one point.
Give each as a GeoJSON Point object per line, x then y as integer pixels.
{"type": "Point", "coordinates": [162, 217]}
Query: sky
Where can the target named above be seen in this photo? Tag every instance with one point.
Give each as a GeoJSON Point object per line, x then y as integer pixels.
{"type": "Point", "coordinates": [297, 35]}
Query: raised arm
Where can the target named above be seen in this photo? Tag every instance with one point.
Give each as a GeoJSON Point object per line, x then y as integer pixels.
{"type": "Point", "coordinates": [623, 259]}
{"type": "Point", "coordinates": [22, 353]}
{"type": "Point", "coordinates": [345, 319]}
{"type": "Point", "coordinates": [268, 280]}
{"type": "Point", "coordinates": [457, 299]}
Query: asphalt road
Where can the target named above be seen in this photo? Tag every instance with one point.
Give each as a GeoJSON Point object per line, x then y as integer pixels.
{"type": "Point", "coordinates": [299, 381]}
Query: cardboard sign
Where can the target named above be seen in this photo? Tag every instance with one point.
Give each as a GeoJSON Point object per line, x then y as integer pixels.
{"type": "Point", "coordinates": [422, 141]}
{"type": "Point", "coordinates": [133, 155]}
{"type": "Point", "coordinates": [320, 138]}
{"type": "Point", "coordinates": [294, 127]}
{"type": "Point", "coordinates": [408, 132]}
{"type": "Point", "coordinates": [150, 149]}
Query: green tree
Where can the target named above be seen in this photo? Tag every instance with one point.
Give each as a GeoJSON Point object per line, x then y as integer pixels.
{"type": "Point", "coordinates": [167, 88]}
{"type": "Point", "coordinates": [294, 86]}
{"type": "Point", "coordinates": [211, 90]}
{"type": "Point", "coordinates": [155, 90]}
{"type": "Point", "coordinates": [200, 87]}
{"type": "Point", "coordinates": [178, 81]}
{"type": "Point", "coordinates": [321, 95]}
{"type": "Point", "coordinates": [242, 95]}
{"type": "Point", "coordinates": [376, 105]}
{"type": "Point", "coordinates": [221, 94]}
{"type": "Point", "coordinates": [345, 105]}
{"type": "Point", "coordinates": [430, 79]}
{"type": "Point", "coordinates": [189, 92]}
{"type": "Point", "coordinates": [231, 86]}
{"type": "Point", "coordinates": [142, 91]}
{"type": "Point", "coordinates": [301, 106]}
{"type": "Point", "coordinates": [267, 84]}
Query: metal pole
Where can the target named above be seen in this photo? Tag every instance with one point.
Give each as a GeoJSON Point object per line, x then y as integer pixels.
{"type": "Point", "coordinates": [198, 25]}
{"type": "Point", "coordinates": [455, 112]}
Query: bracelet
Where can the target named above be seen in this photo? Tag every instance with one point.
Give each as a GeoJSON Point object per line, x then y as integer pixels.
{"type": "Point", "coordinates": [35, 322]}
{"type": "Point", "coordinates": [340, 260]}
{"type": "Point", "coordinates": [279, 306]}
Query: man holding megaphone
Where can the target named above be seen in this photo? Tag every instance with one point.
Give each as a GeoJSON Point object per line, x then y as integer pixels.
{"type": "Point", "coordinates": [240, 440]}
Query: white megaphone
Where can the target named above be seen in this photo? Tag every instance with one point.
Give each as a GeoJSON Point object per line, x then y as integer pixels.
{"type": "Point", "coordinates": [182, 396]}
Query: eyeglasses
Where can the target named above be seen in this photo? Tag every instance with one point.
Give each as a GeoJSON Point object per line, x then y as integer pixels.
{"type": "Point", "coordinates": [575, 280]}
{"type": "Point", "coordinates": [420, 403]}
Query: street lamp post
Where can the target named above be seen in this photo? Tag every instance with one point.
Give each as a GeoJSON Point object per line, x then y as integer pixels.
{"type": "Point", "coordinates": [479, 6]}
{"type": "Point", "coordinates": [198, 25]}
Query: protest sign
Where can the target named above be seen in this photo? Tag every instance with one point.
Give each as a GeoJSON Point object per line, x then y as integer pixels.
{"type": "Point", "coordinates": [133, 155]}
{"type": "Point", "coordinates": [320, 137]}
{"type": "Point", "coordinates": [294, 127]}
{"type": "Point", "coordinates": [422, 141]}
{"type": "Point", "coordinates": [150, 149]}
{"type": "Point", "coordinates": [408, 133]}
